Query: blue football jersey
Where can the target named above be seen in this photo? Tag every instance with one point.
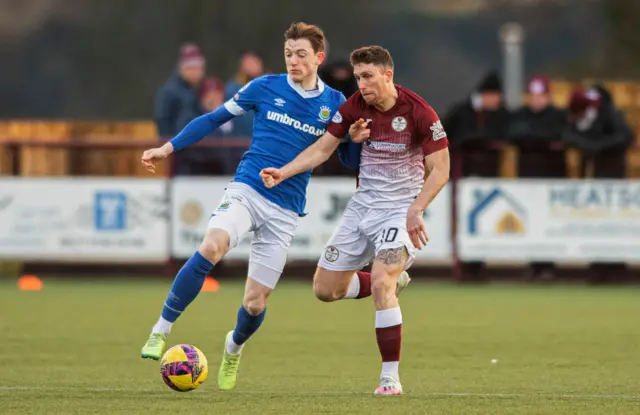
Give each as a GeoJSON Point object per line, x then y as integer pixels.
{"type": "Point", "coordinates": [287, 120]}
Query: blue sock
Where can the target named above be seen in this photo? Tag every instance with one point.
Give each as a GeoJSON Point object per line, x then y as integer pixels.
{"type": "Point", "coordinates": [186, 286]}
{"type": "Point", "coordinates": [246, 325]}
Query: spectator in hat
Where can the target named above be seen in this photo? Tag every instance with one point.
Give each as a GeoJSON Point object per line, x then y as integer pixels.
{"type": "Point", "coordinates": [475, 121]}
{"type": "Point", "coordinates": [598, 128]}
{"type": "Point", "coordinates": [535, 128]}
{"type": "Point", "coordinates": [250, 67]}
{"type": "Point", "coordinates": [338, 74]}
{"type": "Point", "coordinates": [470, 126]}
{"type": "Point", "coordinates": [177, 102]}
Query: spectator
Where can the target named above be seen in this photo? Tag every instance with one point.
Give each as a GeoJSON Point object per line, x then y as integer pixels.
{"type": "Point", "coordinates": [212, 97]}
{"type": "Point", "coordinates": [474, 122]}
{"type": "Point", "coordinates": [597, 127]}
{"type": "Point", "coordinates": [470, 125]}
{"type": "Point", "coordinates": [250, 67]}
{"type": "Point", "coordinates": [218, 160]}
{"type": "Point", "coordinates": [338, 74]}
{"type": "Point", "coordinates": [533, 129]}
{"type": "Point", "coordinates": [177, 101]}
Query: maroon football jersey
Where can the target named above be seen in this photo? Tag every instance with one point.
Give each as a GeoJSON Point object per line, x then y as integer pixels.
{"type": "Point", "coordinates": [392, 159]}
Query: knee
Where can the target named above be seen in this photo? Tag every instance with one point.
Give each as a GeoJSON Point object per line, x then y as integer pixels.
{"type": "Point", "coordinates": [255, 304]}
{"type": "Point", "coordinates": [382, 285]}
{"type": "Point", "coordinates": [327, 292]}
{"type": "Point", "coordinates": [215, 245]}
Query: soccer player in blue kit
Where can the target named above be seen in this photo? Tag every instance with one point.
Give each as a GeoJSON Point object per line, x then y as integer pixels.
{"type": "Point", "coordinates": [292, 111]}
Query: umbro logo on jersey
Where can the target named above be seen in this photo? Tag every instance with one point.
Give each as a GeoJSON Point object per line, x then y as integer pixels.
{"type": "Point", "coordinates": [279, 102]}
{"type": "Point", "coordinates": [291, 122]}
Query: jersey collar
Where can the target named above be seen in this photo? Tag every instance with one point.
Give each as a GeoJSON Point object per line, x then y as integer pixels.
{"type": "Point", "coordinates": [307, 94]}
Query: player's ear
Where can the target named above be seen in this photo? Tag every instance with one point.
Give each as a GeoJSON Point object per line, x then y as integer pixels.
{"type": "Point", "coordinates": [321, 57]}
{"type": "Point", "coordinates": [389, 74]}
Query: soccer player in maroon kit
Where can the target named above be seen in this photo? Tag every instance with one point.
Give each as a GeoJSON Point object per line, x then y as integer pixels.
{"type": "Point", "coordinates": [401, 134]}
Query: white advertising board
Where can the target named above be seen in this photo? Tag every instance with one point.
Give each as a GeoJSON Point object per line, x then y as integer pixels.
{"type": "Point", "coordinates": [84, 219]}
{"type": "Point", "coordinates": [555, 220]}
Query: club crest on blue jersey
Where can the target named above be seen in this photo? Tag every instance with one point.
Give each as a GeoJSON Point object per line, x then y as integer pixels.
{"type": "Point", "coordinates": [325, 113]}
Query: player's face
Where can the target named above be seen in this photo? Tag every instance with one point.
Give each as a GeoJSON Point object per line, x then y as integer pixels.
{"type": "Point", "coordinates": [302, 62]}
{"type": "Point", "coordinates": [374, 81]}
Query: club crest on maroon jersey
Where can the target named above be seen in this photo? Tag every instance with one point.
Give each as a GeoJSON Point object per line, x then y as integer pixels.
{"type": "Point", "coordinates": [399, 124]}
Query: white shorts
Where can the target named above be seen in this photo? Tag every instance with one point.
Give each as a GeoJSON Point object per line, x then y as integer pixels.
{"type": "Point", "coordinates": [362, 233]}
{"type": "Point", "coordinates": [243, 210]}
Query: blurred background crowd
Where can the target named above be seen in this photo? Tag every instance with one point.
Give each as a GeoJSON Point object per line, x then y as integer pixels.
{"type": "Point", "coordinates": [554, 96]}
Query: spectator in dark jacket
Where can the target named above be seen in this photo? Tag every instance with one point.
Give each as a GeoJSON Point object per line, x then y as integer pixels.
{"type": "Point", "coordinates": [470, 125]}
{"type": "Point", "coordinates": [338, 74]}
{"type": "Point", "coordinates": [474, 122]}
{"type": "Point", "coordinates": [598, 128]}
{"type": "Point", "coordinates": [535, 128]}
{"type": "Point", "coordinates": [177, 101]}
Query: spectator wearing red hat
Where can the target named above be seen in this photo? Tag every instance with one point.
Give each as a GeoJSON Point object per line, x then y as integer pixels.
{"type": "Point", "coordinates": [534, 128]}
{"type": "Point", "coordinates": [598, 128]}
{"type": "Point", "coordinates": [177, 101]}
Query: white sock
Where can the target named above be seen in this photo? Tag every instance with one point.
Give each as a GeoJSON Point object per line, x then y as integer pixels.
{"type": "Point", "coordinates": [354, 287]}
{"type": "Point", "coordinates": [162, 326]}
{"type": "Point", "coordinates": [390, 369]}
{"type": "Point", "coordinates": [232, 347]}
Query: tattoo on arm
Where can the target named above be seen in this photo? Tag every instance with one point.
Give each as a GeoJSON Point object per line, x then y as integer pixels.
{"type": "Point", "coordinates": [393, 256]}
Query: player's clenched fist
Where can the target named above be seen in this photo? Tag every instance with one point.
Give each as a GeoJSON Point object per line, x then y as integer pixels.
{"type": "Point", "coordinates": [359, 131]}
{"type": "Point", "coordinates": [271, 177]}
{"type": "Point", "coordinates": [149, 157]}
{"type": "Point", "coordinates": [416, 228]}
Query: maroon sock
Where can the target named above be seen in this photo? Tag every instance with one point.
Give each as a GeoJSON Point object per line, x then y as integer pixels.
{"type": "Point", "coordinates": [389, 342]}
{"type": "Point", "coordinates": [365, 284]}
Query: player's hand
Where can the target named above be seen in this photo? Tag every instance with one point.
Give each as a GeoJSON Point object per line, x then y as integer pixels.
{"type": "Point", "coordinates": [271, 177]}
{"type": "Point", "coordinates": [416, 228]}
{"type": "Point", "coordinates": [359, 131]}
{"type": "Point", "coordinates": [150, 157]}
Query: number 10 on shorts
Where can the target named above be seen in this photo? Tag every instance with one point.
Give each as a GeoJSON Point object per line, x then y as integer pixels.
{"type": "Point", "coordinates": [388, 235]}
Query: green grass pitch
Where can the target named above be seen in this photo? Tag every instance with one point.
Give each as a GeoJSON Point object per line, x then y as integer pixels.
{"type": "Point", "coordinates": [75, 348]}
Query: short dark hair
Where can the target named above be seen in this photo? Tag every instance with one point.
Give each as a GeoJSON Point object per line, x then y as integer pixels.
{"type": "Point", "coordinates": [301, 30]}
{"type": "Point", "coordinates": [376, 55]}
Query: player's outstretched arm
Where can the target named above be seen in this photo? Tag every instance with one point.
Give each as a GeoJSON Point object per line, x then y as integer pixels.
{"type": "Point", "coordinates": [312, 157]}
{"type": "Point", "coordinates": [349, 154]}
{"type": "Point", "coordinates": [195, 131]}
{"type": "Point", "coordinates": [349, 149]}
{"type": "Point", "coordinates": [438, 166]}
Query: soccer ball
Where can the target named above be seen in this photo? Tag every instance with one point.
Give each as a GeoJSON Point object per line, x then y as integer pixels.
{"type": "Point", "coordinates": [184, 367]}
